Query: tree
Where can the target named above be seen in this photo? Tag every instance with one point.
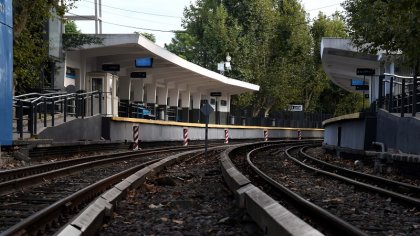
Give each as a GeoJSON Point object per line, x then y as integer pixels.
{"type": "Point", "coordinates": [392, 26]}
{"type": "Point", "coordinates": [149, 36]}
{"type": "Point", "coordinates": [266, 39]}
{"type": "Point", "coordinates": [30, 52]}
{"type": "Point", "coordinates": [330, 98]}
{"type": "Point", "coordinates": [73, 38]}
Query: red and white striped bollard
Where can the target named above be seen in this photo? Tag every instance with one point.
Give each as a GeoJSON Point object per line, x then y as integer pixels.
{"type": "Point", "coordinates": [226, 136]}
{"type": "Point", "coordinates": [135, 137]}
{"type": "Point", "coordinates": [185, 136]}
{"type": "Point", "coordinates": [265, 135]}
{"type": "Point", "coordinates": [299, 134]}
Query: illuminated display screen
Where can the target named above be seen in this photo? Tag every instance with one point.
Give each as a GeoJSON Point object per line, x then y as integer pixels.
{"type": "Point", "coordinates": [355, 82]}
{"type": "Point", "coordinates": [143, 62]}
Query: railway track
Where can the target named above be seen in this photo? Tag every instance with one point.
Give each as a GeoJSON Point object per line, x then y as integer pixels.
{"type": "Point", "coordinates": [331, 205]}
{"type": "Point", "coordinates": [395, 189]}
{"type": "Point", "coordinates": [40, 203]}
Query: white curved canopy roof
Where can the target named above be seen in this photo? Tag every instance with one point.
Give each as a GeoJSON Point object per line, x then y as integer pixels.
{"type": "Point", "coordinates": [168, 68]}
{"type": "Point", "coordinates": [340, 61]}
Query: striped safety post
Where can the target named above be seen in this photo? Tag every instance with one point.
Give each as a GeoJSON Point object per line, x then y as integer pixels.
{"type": "Point", "coordinates": [299, 133]}
{"type": "Point", "coordinates": [226, 136]}
{"type": "Point", "coordinates": [185, 136]}
{"type": "Point", "coordinates": [265, 135]}
{"type": "Point", "coordinates": [135, 137]}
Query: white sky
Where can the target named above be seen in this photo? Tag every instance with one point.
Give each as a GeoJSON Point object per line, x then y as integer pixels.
{"type": "Point", "coordinates": [127, 16]}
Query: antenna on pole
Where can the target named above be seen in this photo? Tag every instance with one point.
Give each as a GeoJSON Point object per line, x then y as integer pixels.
{"type": "Point", "coordinates": [97, 17]}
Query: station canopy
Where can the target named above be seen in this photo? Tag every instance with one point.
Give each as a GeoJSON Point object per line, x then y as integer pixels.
{"type": "Point", "coordinates": [341, 59]}
{"type": "Point", "coordinates": [168, 69]}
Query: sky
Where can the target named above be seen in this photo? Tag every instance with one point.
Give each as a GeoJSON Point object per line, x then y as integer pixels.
{"type": "Point", "coordinates": [128, 16]}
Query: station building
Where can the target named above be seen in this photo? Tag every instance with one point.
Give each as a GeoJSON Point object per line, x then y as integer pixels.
{"type": "Point", "coordinates": [389, 118]}
{"type": "Point", "coordinates": [130, 69]}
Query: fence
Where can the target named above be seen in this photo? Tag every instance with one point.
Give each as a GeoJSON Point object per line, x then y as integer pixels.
{"type": "Point", "coordinates": [30, 109]}
{"type": "Point", "coordinates": [294, 119]}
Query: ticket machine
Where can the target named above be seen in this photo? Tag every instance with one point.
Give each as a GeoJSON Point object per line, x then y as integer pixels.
{"type": "Point", "coordinates": [107, 83]}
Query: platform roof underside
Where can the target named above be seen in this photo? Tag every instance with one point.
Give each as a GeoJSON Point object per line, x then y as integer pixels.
{"type": "Point", "coordinates": [340, 61]}
{"type": "Point", "coordinates": [168, 68]}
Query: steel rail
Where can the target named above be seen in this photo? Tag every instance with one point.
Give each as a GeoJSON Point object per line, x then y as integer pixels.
{"type": "Point", "coordinates": [403, 198]}
{"type": "Point", "coordinates": [40, 219]}
{"type": "Point", "coordinates": [20, 183]}
{"type": "Point", "coordinates": [352, 173]}
{"type": "Point", "coordinates": [336, 225]}
{"type": "Point", "coordinates": [36, 169]}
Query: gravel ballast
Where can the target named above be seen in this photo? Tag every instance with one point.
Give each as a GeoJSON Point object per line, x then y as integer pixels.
{"type": "Point", "coordinates": [189, 198]}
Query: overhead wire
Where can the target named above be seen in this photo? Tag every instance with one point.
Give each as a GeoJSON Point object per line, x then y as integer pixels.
{"type": "Point", "coordinates": [139, 12]}
{"type": "Point", "coordinates": [127, 16]}
{"type": "Point", "coordinates": [129, 26]}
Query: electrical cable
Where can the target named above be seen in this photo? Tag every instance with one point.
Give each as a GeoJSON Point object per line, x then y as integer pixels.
{"type": "Point", "coordinates": [127, 16]}
{"type": "Point", "coordinates": [139, 12]}
{"type": "Point", "coordinates": [129, 26]}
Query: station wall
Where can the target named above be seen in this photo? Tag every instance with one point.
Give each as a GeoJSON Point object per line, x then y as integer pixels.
{"type": "Point", "coordinates": [97, 128]}
{"type": "Point", "coordinates": [399, 133]}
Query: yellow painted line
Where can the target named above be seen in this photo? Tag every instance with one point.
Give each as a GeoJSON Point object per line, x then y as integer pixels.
{"type": "Point", "coordinates": [185, 124]}
{"type": "Point", "coordinates": [341, 118]}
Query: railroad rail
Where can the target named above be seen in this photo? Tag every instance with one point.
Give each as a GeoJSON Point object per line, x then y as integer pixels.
{"type": "Point", "coordinates": [391, 188]}
{"type": "Point", "coordinates": [365, 210]}
{"type": "Point", "coordinates": [329, 222]}
{"type": "Point", "coordinates": [39, 209]}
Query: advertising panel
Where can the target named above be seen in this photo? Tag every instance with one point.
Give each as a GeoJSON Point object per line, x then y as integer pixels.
{"type": "Point", "coordinates": [6, 79]}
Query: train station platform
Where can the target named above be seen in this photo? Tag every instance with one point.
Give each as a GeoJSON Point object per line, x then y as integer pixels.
{"type": "Point", "coordinates": [121, 129]}
{"type": "Point", "coordinates": [355, 133]}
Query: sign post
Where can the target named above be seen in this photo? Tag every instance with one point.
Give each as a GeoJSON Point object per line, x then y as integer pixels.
{"type": "Point", "coordinates": [206, 109]}
{"type": "Point", "coordinates": [364, 72]}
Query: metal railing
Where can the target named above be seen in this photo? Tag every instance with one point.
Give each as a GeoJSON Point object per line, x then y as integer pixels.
{"type": "Point", "coordinates": [30, 109]}
{"type": "Point", "coordinates": [399, 97]}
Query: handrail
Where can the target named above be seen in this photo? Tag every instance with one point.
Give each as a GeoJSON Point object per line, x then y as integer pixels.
{"type": "Point", "coordinates": [36, 107]}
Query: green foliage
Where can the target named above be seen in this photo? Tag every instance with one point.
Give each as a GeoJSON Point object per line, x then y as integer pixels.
{"type": "Point", "coordinates": [73, 38]}
{"type": "Point", "coordinates": [149, 36]}
{"type": "Point", "coordinates": [331, 98]}
{"type": "Point", "coordinates": [271, 44]}
{"type": "Point", "coordinates": [386, 25]}
{"type": "Point", "coordinates": [71, 28]}
{"type": "Point", "coordinates": [30, 52]}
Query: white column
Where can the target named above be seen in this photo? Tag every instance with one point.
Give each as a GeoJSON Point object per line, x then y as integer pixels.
{"type": "Point", "coordinates": [151, 93]}
{"type": "Point", "coordinates": [196, 100]}
{"type": "Point", "coordinates": [137, 90]}
{"type": "Point", "coordinates": [124, 88]}
{"type": "Point", "coordinates": [162, 94]}
{"type": "Point", "coordinates": [173, 97]}
{"type": "Point", "coordinates": [185, 99]}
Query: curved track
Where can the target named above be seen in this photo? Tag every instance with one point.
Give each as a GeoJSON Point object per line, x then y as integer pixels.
{"type": "Point", "coordinates": [365, 208]}
{"type": "Point", "coordinates": [44, 200]}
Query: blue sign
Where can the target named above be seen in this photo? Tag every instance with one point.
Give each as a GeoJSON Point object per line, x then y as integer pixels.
{"type": "Point", "coordinates": [6, 72]}
{"type": "Point", "coordinates": [356, 82]}
{"type": "Point", "coordinates": [143, 62]}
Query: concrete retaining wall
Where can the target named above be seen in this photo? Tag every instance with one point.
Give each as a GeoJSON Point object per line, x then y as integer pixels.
{"type": "Point", "coordinates": [173, 131]}
{"type": "Point", "coordinates": [121, 129]}
{"type": "Point", "coordinates": [354, 131]}
{"type": "Point", "coordinates": [400, 133]}
{"type": "Point", "coordinates": [75, 130]}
